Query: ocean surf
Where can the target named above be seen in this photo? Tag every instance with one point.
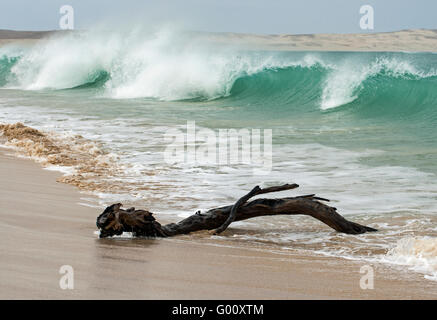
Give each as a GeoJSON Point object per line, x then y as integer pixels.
{"type": "Point", "coordinates": [357, 128]}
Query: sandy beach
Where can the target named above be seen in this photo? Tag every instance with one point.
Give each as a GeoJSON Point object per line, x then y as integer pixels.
{"type": "Point", "coordinates": [44, 227]}
{"type": "Point", "coordinates": [415, 40]}
{"type": "Point", "coordinates": [23, 37]}
{"type": "Point", "coordinates": [399, 41]}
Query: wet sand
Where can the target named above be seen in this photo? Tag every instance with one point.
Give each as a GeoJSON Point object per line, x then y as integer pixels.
{"type": "Point", "coordinates": [44, 227]}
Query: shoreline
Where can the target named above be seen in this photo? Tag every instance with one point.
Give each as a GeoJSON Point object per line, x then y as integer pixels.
{"type": "Point", "coordinates": [414, 40]}
{"type": "Point", "coordinates": [44, 228]}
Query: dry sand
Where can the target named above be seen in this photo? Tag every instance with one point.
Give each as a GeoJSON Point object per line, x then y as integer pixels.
{"type": "Point", "coordinates": [43, 227]}
{"type": "Point", "coordinates": [415, 40]}
{"type": "Point", "coordinates": [420, 40]}
{"type": "Point", "coordinates": [23, 37]}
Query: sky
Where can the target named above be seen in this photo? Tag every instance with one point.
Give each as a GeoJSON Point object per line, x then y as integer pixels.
{"type": "Point", "coordinates": [247, 16]}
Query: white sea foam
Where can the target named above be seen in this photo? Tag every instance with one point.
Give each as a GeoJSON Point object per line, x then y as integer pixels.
{"type": "Point", "coordinates": [166, 65]}
{"type": "Point", "coordinates": [344, 81]}
{"type": "Point", "coordinates": [324, 170]}
{"type": "Point", "coordinates": [378, 196]}
{"type": "Point", "coordinates": [419, 253]}
{"type": "Point", "coordinates": [169, 65]}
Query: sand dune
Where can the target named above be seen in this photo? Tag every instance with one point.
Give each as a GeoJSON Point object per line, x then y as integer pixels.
{"type": "Point", "coordinates": [407, 40]}
{"type": "Point", "coordinates": [420, 40]}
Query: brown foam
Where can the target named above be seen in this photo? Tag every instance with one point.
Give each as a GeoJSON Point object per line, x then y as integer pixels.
{"type": "Point", "coordinates": [86, 157]}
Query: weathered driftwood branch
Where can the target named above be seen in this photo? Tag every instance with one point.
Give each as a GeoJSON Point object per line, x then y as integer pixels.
{"type": "Point", "coordinates": [114, 220]}
{"type": "Point", "coordinates": [255, 191]}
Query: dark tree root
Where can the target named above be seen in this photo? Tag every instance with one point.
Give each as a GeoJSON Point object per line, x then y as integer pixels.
{"type": "Point", "coordinates": [114, 220]}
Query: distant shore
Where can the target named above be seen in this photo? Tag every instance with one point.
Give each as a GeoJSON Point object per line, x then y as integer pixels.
{"type": "Point", "coordinates": [416, 40]}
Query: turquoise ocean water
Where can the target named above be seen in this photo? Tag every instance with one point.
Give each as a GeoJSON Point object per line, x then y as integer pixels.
{"type": "Point", "coordinates": [357, 128]}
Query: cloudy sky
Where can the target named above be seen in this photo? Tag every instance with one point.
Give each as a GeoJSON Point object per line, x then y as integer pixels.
{"type": "Point", "coordinates": [251, 16]}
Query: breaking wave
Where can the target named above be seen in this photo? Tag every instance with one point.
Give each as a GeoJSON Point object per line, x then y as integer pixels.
{"type": "Point", "coordinates": [168, 66]}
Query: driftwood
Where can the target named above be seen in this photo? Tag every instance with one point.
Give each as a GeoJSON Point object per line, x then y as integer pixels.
{"type": "Point", "coordinates": [115, 220]}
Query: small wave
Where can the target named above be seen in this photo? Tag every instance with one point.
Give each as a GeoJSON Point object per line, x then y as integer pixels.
{"type": "Point", "coordinates": [419, 253]}
{"type": "Point", "coordinates": [96, 80]}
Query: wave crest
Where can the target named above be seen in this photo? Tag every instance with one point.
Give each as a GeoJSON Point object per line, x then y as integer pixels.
{"type": "Point", "coordinates": [175, 66]}
{"type": "Point", "coordinates": [165, 66]}
{"type": "Point", "coordinates": [344, 83]}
